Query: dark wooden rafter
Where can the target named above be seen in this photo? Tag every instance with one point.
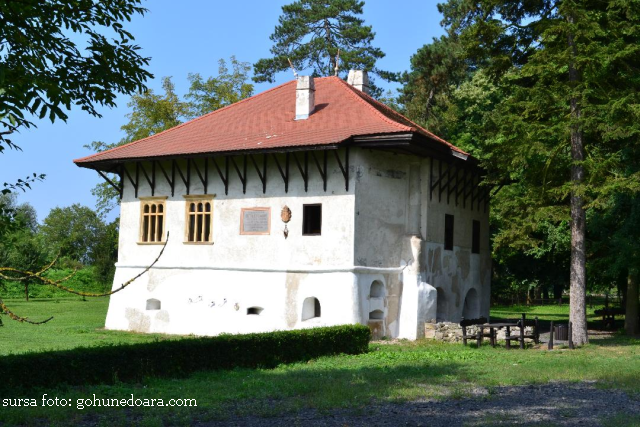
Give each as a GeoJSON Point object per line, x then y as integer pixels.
{"type": "Point", "coordinates": [243, 175]}
{"type": "Point", "coordinates": [182, 177]}
{"type": "Point", "coordinates": [121, 177]}
{"type": "Point", "coordinates": [134, 183]}
{"type": "Point", "coordinates": [304, 172]}
{"type": "Point", "coordinates": [170, 181]}
{"type": "Point", "coordinates": [150, 180]}
{"type": "Point", "coordinates": [321, 169]}
{"type": "Point", "coordinates": [261, 174]}
{"type": "Point", "coordinates": [469, 192]}
{"type": "Point", "coordinates": [116, 187]}
{"type": "Point", "coordinates": [223, 177]}
{"type": "Point", "coordinates": [452, 176]}
{"type": "Point", "coordinates": [484, 197]}
{"type": "Point", "coordinates": [461, 189]}
{"type": "Point", "coordinates": [443, 181]}
{"type": "Point", "coordinates": [344, 168]}
{"type": "Point", "coordinates": [475, 191]}
{"type": "Point", "coordinates": [204, 179]}
{"type": "Point", "coordinates": [284, 173]}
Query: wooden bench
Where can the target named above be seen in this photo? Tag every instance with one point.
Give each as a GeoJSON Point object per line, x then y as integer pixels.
{"type": "Point", "coordinates": [609, 316]}
{"type": "Point", "coordinates": [522, 324]}
{"type": "Point", "coordinates": [465, 323]}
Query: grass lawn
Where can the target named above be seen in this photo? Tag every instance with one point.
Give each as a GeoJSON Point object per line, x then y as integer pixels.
{"type": "Point", "coordinates": [390, 372]}
{"type": "Point", "coordinates": [76, 323]}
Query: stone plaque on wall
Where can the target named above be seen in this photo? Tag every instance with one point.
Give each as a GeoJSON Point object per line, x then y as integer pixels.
{"type": "Point", "coordinates": [255, 221]}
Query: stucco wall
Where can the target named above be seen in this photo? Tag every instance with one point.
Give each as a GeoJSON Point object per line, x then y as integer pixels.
{"type": "Point", "coordinates": [456, 272]}
{"type": "Point", "coordinates": [210, 302]}
{"type": "Point", "coordinates": [230, 249]}
{"type": "Point", "coordinates": [393, 202]}
{"type": "Point", "coordinates": [385, 230]}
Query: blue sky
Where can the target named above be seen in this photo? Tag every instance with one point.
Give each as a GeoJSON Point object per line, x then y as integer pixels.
{"type": "Point", "coordinates": [183, 37]}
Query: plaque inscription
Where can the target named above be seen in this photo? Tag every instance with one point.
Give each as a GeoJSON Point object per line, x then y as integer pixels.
{"type": "Point", "coordinates": [255, 221]}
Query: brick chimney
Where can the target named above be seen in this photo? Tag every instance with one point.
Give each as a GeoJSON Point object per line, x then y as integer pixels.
{"type": "Point", "coordinates": [359, 79]}
{"type": "Point", "coordinates": [305, 97]}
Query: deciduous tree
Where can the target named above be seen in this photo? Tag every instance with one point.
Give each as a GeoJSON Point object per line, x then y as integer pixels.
{"type": "Point", "coordinates": [573, 76]}
{"type": "Point", "coordinates": [44, 69]}
{"type": "Point", "coordinates": [152, 113]}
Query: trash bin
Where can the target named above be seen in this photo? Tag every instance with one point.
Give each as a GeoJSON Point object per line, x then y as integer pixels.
{"type": "Point", "coordinates": [561, 332]}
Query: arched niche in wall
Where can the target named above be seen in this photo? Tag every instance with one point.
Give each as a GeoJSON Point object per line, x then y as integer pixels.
{"type": "Point", "coordinates": [441, 306]}
{"type": "Point", "coordinates": [376, 315]}
{"type": "Point", "coordinates": [254, 311]}
{"type": "Point", "coordinates": [311, 308]}
{"type": "Point", "coordinates": [153, 304]}
{"type": "Point", "coordinates": [376, 290]}
{"type": "Point", "coordinates": [471, 308]}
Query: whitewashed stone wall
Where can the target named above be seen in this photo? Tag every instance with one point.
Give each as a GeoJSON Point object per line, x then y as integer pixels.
{"type": "Point", "coordinates": [379, 260]}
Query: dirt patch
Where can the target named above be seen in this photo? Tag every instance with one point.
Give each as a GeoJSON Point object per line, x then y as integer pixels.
{"type": "Point", "coordinates": [554, 404]}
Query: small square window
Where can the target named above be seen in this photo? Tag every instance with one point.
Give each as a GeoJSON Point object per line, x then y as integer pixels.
{"type": "Point", "coordinates": [312, 220]}
{"type": "Point", "coordinates": [448, 232]}
{"type": "Point", "coordinates": [475, 240]}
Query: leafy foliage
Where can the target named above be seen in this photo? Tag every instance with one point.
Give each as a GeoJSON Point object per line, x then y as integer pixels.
{"type": "Point", "coordinates": [545, 94]}
{"type": "Point", "coordinates": [214, 93]}
{"type": "Point", "coordinates": [74, 231]}
{"type": "Point", "coordinates": [153, 113]}
{"type": "Point", "coordinates": [437, 69]}
{"type": "Point", "coordinates": [43, 70]}
{"type": "Point", "coordinates": [311, 32]}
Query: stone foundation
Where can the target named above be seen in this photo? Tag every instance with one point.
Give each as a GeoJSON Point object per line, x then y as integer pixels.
{"type": "Point", "coordinates": [452, 332]}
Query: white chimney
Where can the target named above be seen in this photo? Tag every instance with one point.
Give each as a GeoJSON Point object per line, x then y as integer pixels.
{"type": "Point", "coordinates": [359, 79]}
{"type": "Point", "coordinates": [305, 97]}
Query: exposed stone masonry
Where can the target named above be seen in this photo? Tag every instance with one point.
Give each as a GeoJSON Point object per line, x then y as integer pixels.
{"type": "Point", "coordinates": [452, 332]}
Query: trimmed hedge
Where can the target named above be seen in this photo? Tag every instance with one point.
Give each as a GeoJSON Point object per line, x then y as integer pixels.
{"type": "Point", "coordinates": [177, 358]}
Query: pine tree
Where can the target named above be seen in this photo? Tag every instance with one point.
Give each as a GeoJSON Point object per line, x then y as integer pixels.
{"type": "Point", "coordinates": [572, 73]}
{"type": "Point", "coordinates": [311, 32]}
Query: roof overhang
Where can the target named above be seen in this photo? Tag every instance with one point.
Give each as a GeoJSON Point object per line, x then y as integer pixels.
{"type": "Point", "coordinates": [408, 143]}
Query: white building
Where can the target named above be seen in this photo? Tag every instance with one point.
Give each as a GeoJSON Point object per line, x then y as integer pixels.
{"type": "Point", "coordinates": [388, 225]}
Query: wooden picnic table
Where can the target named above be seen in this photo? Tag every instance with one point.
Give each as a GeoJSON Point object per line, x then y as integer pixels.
{"type": "Point", "coordinates": [492, 332]}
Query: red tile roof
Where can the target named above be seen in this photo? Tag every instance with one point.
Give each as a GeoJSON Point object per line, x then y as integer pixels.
{"type": "Point", "coordinates": [266, 121]}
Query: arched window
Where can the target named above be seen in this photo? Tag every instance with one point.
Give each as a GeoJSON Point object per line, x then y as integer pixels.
{"type": "Point", "coordinates": [153, 304]}
{"type": "Point", "coordinates": [311, 308]}
{"type": "Point", "coordinates": [377, 289]}
{"type": "Point", "coordinates": [471, 309]}
{"type": "Point", "coordinates": [254, 311]}
{"type": "Point", "coordinates": [376, 315]}
{"type": "Point", "coordinates": [441, 307]}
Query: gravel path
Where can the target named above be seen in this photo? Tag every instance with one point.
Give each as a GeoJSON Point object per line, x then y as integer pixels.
{"type": "Point", "coordinates": [561, 404]}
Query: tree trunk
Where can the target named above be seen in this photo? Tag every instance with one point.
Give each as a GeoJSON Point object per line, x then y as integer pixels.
{"type": "Point", "coordinates": [631, 324]}
{"type": "Point", "coordinates": [26, 291]}
{"type": "Point", "coordinates": [327, 36]}
{"type": "Point", "coordinates": [578, 285]}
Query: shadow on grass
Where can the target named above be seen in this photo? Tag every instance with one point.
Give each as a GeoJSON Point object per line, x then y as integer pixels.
{"type": "Point", "coordinates": [549, 404]}
{"type": "Point", "coordinates": [615, 341]}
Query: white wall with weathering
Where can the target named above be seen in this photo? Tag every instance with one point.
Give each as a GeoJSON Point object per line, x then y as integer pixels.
{"type": "Point", "coordinates": [379, 260]}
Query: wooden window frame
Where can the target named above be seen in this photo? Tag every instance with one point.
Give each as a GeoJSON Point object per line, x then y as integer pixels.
{"type": "Point", "coordinates": [254, 233]}
{"type": "Point", "coordinates": [157, 201]}
{"type": "Point", "coordinates": [195, 198]}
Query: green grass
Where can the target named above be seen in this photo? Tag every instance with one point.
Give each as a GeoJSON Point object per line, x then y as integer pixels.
{"type": "Point", "coordinates": [82, 280]}
{"type": "Point", "coordinates": [75, 323]}
{"type": "Point", "coordinates": [405, 371]}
